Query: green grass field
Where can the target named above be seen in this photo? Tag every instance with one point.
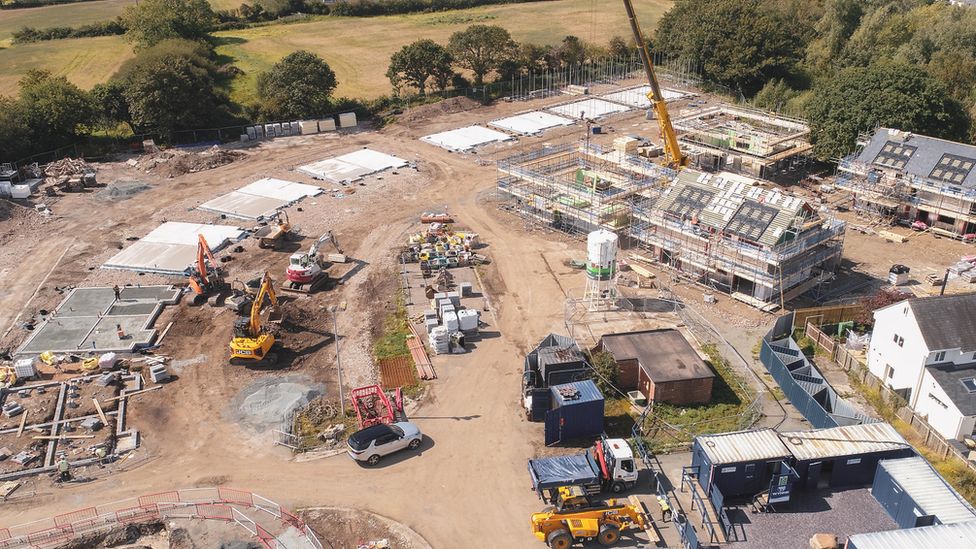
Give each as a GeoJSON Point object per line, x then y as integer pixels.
{"type": "Point", "coordinates": [61, 15]}
{"type": "Point", "coordinates": [84, 61]}
{"type": "Point", "coordinates": [358, 49]}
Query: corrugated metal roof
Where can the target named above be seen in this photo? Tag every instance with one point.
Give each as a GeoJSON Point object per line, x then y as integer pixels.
{"type": "Point", "coordinates": [844, 441]}
{"type": "Point", "coordinates": [928, 489]}
{"type": "Point", "coordinates": [743, 446]}
{"type": "Point", "coordinates": [945, 536]}
{"type": "Point", "coordinates": [588, 392]}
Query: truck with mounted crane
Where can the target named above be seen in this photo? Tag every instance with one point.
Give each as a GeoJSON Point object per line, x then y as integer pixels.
{"type": "Point", "coordinates": [607, 466]}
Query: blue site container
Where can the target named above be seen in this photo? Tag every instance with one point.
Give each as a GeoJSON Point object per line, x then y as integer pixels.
{"type": "Point", "coordinates": [576, 412]}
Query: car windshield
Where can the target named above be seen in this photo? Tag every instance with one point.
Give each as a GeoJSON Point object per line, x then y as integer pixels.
{"type": "Point", "coordinates": [397, 431]}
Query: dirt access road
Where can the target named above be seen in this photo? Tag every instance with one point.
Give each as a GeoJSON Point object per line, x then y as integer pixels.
{"type": "Point", "coordinates": [469, 483]}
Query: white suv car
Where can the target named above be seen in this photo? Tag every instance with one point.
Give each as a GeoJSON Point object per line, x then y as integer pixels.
{"type": "Point", "coordinates": [372, 443]}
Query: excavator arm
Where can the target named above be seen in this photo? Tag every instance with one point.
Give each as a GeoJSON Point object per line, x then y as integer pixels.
{"type": "Point", "coordinates": [266, 290]}
{"type": "Point", "coordinates": [672, 151]}
{"type": "Point", "coordinates": [200, 281]}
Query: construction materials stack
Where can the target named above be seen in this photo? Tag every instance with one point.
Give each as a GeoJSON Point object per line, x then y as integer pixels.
{"type": "Point", "coordinates": [440, 340]}
{"type": "Point", "coordinates": [439, 247]}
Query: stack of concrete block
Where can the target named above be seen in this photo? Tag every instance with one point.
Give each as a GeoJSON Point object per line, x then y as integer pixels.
{"type": "Point", "coordinates": [92, 424]}
{"type": "Point", "coordinates": [327, 125]}
{"type": "Point", "coordinates": [158, 373]}
{"type": "Point", "coordinates": [348, 120]}
{"type": "Point", "coordinates": [25, 369]}
{"type": "Point", "coordinates": [451, 322]}
{"type": "Point", "coordinates": [12, 409]}
{"type": "Point", "coordinates": [468, 320]}
{"type": "Point", "coordinates": [24, 458]}
{"type": "Point", "coordinates": [430, 319]}
{"type": "Point", "coordinates": [440, 340]}
{"type": "Point", "coordinates": [466, 289]}
{"type": "Point", "coordinates": [308, 127]}
{"type": "Point", "coordinates": [105, 379]}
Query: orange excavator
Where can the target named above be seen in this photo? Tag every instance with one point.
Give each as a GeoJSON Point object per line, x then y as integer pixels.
{"type": "Point", "coordinates": [205, 279]}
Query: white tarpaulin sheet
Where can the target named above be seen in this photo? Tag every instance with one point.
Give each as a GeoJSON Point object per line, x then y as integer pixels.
{"type": "Point", "coordinates": [588, 108]}
{"type": "Point", "coordinates": [352, 166]}
{"type": "Point", "coordinates": [172, 247]}
{"type": "Point", "coordinates": [260, 199]}
{"type": "Point", "coordinates": [531, 123]}
{"type": "Point", "coordinates": [637, 97]}
{"type": "Point", "coordinates": [467, 138]}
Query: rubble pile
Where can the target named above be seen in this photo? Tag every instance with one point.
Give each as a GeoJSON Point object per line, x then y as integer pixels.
{"type": "Point", "coordinates": [69, 175]}
{"type": "Point", "coordinates": [174, 163]}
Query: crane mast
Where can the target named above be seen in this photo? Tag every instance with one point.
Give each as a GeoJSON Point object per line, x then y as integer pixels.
{"type": "Point", "coordinates": [672, 151]}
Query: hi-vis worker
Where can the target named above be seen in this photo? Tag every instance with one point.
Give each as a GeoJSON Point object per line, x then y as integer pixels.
{"type": "Point", "coordinates": [63, 469]}
{"type": "Point", "coordinates": [666, 512]}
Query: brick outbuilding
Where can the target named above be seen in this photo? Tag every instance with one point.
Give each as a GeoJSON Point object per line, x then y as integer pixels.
{"type": "Point", "coordinates": [662, 365]}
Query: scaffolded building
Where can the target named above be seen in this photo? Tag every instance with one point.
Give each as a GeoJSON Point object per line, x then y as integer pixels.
{"type": "Point", "coordinates": [756, 243]}
{"type": "Point", "coordinates": [906, 178]}
{"type": "Point", "coordinates": [727, 231]}
{"type": "Point", "coordinates": [742, 140]}
{"type": "Point", "coordinates": [578, 188]}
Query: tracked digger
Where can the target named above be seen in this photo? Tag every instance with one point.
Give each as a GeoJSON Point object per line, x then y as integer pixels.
{"type": "Point", "coordinates": [253, 340]}
{"type": "Point", "coordinates": [575, 518]}
{"type": "Point", "coordinates": [307, 271]}
{"type": "Point", "coordinates": [206, 280]}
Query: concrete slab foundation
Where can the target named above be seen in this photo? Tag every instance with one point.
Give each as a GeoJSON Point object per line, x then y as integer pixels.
{"type": "Point", "coordinates": [637, 97]}
{"type": "Point", "coordinates": [588, 108]}
{"type": "Point", "coordinates": [172, 247]}
{"type": "Point", "coordinates": [530, 123]}
{"type": "Point", "coordinates": [260, 199]}
{"type": "Point", "coordinates": [352, 166]}
{"type": "Point", "coordinates": [89, 318]}
{"type": "Point", "coordinates": [467, 138]}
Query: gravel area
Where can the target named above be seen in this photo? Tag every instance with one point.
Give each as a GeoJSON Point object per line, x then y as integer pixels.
{"type": "Point", "coordinates": [841, 512]}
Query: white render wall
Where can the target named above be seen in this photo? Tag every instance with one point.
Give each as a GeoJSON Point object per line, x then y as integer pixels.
{"type": "Point", "coordinates": [956, 356]}
{"type": "Point", "coordinates": [907, 360]}
{"type": "Point", "coordinates": [938, 409]}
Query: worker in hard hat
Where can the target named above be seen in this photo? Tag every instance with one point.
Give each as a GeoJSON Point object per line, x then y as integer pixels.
{"type": "Point", "coordinates": [665, 508]}
{"type": "Point", "coordinates": [64, 473]}
{"type": "Point", "coordinates": [100, 453]}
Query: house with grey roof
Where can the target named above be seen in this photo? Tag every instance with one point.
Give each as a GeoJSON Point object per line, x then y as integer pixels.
{"type": "Point", "coordinates": [750, 239]}
{"type": "Point", "coordinates": [914, 179]}
{"type": "Point", "coordinates": [925, 349]}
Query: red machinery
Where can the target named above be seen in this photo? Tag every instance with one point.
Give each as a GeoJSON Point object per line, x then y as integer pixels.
{"type": "Point", "coordinates": [373, 406]}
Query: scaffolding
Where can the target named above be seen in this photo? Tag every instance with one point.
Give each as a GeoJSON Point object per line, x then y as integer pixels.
{"type": "Point", "coordinates": [581, 188]}
{"type": "Point", "coordinates": [743, 139]}
{"type": "Point", "coordinates": [578, 188]}
{"type": "Point", "coordinates": [889, 195]}
{"type": "Point", "coordinates": [793, 252]}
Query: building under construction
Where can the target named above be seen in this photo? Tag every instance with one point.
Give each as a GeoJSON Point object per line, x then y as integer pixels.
{"type": "Point", "coordinates": [729, 232]}
{"type": "Point", "coordinates": [740, 236]}
{"type": "Point", "coordinates": [580, 188]}
{"type": "Point", "coordinates": [742, 140]}
{"type": "Point", "coordinates": [914, 180]}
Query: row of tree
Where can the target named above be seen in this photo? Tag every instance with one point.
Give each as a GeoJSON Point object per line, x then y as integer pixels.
{"type": "Point", "coordinates": [173, 83]}
{"type": "Point", "coordinates": [487, 51]}
{"type": "Point", "coordinates": [847, 65]}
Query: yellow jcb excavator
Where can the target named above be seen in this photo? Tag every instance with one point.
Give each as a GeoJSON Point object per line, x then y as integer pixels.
{"type": "Point", "coordinates": [253, 341]}
{"type": "Point", "coordinates": [575, 518]}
